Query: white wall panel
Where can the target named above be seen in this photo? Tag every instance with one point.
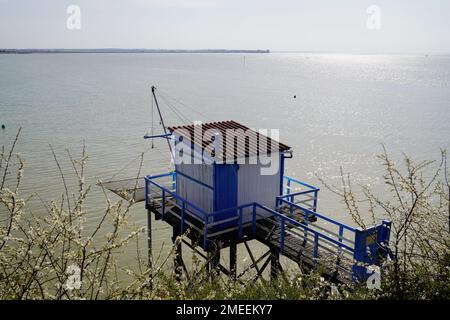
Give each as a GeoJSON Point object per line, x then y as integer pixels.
{"type": "Point", "coordinates": [254, 187]}
{"type": "Point", "coordinates": [192, 191]}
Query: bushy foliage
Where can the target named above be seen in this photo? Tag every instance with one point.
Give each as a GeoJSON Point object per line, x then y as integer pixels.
{"type": "Point", "coordinates": [415, 196]}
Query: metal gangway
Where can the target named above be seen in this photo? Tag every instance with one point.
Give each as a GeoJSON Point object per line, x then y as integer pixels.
{"type": "Point", "coordinates": [294, 227]}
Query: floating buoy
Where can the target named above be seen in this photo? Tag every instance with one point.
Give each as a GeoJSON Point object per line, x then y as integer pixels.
{"type": "Point", "coordinates": [295, 96]}
{"type": "Point", "coordinates": [3, 126]}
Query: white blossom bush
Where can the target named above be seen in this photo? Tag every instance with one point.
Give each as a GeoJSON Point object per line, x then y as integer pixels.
{"type": "Point", "coordinates": [40, 254]}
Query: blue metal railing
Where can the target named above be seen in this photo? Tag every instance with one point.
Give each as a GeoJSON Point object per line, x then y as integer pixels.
{"type": "Point", "coordinates": [317, 234]}
{"type": "Point", "coordinates": [305, 190]}
{"type": "Point", "coordinates": [192, 208]}
{"type": "Point", "coordinates": [290, 181]}
{"type": "Point", "coordinates": [247, 217]}
{"type": "Point", "coordinates": [308, 213]}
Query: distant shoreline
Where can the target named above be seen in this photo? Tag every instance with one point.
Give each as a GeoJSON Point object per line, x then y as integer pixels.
{"type": "Point", "coordinates": [30, 51]}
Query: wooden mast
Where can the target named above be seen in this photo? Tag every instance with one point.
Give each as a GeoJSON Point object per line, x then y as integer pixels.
{"type": "Point", "coordinates": [160, 116]}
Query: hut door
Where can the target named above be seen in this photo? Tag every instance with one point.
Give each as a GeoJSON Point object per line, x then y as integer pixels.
{"type": "Point", "coordinates": [225, 191]}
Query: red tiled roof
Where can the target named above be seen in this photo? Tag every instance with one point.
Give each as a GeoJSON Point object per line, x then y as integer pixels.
{"type": "Point", "coordinates": [240, 132]}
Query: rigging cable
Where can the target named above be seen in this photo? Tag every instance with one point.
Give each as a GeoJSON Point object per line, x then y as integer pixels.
{"type": "Point", "coordinates": [127, 165]}
{"type": "Point", "coordinates": [185, 105]}
{"type": "Point", "coordinates": [178, 113]}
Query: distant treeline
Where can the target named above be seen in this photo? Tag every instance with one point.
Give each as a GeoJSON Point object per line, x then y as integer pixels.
{"type": "Point", "coordinates": [28, 51]}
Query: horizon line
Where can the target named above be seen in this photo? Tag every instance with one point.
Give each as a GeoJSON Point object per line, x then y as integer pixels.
{"type": "Point", "coordinates": [204, 50]}
{"type": "Point", "coordinates": [105, 50]}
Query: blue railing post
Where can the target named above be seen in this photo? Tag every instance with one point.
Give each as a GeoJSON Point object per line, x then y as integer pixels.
{"type": "Point", "coordinates": [341, 237]}
{"type": "Point", "coordinates": [146, 193]}
{"type": "Point", "coordinates": [163, 204]}
{"type": "Point", "coordinates": [240, 223]}
{"type": "Point", "coordinates": [305, 233]}
{"type": "Point", "coordinates": [254, 220]}
{"type": "Point", "coordinates": [174, 180]}
{"type": "Point", "coordinates": [183, 208]}
{"type": "Point", "coordinates": [288, 186]}
{"type": "Point", "coordinates": [291, 210]}
{"type": "Point", "coordinates": [282, 235]}
{"type": "Point", "coordinates": [316, 249]}
{"type": "Point", "coordinates": [315, 200]}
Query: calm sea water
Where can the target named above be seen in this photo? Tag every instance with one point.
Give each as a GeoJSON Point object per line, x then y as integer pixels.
{"type": "Point", "coordinates": [346, 106]}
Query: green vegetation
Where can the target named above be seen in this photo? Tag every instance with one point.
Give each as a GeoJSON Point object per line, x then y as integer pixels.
{"type": "Point", "coordinates": [42, 254]}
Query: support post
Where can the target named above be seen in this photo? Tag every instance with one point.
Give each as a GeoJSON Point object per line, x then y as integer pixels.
{"type": "Point", "coordinates": [233, 259]}
{"type": "Point", "coordinates": [281, 173]}
{"type": "Point", "coordinates": [214, 262]}
{"type": "Point", "coordinates": [149, 246]}
{"type": "Point", "coordinates": [275, 267]}
{"type": "Point", "coordinates": [178, 259]}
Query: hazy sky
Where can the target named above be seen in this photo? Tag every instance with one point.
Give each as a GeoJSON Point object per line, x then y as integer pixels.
{"type": "Point", "coordinates": [416, 26]}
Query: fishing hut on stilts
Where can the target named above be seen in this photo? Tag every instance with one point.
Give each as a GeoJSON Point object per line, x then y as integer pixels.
{"type": "Point", "coordinates": [221, 193]}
